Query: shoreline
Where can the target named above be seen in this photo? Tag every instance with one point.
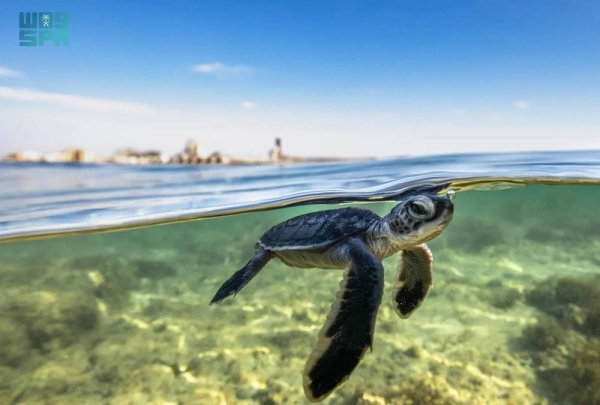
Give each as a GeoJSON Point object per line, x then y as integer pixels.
{"type": "Point", "coordinates": [188, 156]}
{"type": "Point", "coordinates": [227, 162]}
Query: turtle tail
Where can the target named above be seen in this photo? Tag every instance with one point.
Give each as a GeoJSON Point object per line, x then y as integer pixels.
{"type": "Point", "coordinates": [240, 278]}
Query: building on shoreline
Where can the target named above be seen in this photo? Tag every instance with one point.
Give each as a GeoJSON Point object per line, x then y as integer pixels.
{"type": "Point", "coordinates": [63, 156]}
{"type": "Point", "coordinates": [276, 154]}
{"type": "Point", "coordinates": [133, 156]}
{"type": "Point", "coordinates": [190, 155]}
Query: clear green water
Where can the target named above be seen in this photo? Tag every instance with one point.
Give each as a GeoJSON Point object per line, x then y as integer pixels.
{"type": "Point", "coordinates": [123, 318]}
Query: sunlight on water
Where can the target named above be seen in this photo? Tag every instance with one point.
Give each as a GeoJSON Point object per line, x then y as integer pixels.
{"type": "Point", "coordinates": [38, 200]}
{"type": "Point", "coordinates": [123, 318]}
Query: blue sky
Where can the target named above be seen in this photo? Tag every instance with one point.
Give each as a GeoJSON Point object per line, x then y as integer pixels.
{"type": "Point", "coordinates": [331, 77]}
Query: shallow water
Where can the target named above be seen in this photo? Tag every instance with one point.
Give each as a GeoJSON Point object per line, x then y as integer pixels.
{"type": "Point", "coordinates": [123, 318]}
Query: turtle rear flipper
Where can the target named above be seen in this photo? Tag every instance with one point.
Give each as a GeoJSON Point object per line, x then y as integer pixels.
{"type": "Point", "coordinates": [414, 280]}
{"type": "Point", "coordinates": [240, 278]}
{"type": "Point", "coordinates": [348, 331]}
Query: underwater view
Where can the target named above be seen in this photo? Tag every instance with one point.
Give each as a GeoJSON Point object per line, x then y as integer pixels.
{"type": "Point", "coordinates": [122, 318]}
{"type": "Point", "coordinates": [298, 202]}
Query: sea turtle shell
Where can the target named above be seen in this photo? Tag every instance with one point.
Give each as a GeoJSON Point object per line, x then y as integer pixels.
{"type": "Point", "coordinates": [317, 230]}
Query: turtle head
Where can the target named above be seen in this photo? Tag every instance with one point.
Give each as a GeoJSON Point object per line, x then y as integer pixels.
{"type": "Point", "coordinates": [419, 218]}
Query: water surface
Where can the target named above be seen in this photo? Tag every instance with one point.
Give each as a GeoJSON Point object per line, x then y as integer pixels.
{"type": "Point", "coordinates": [52, 199]}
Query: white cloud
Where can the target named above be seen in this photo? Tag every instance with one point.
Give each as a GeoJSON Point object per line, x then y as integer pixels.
{"type": "Point", "coordinates": [522, 105]}
{"type": "Point", "coordinates": [6, 72]}
{"type": "Point", "coordinates": [248, 104]}
{"type": "Point", "coordinates": [87, 103]}
{"type": "Point", "coordinates": [221, 70]}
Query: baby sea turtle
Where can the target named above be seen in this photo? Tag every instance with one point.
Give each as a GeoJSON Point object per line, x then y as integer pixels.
{"type": "Point", "coordinates": [356, 240]}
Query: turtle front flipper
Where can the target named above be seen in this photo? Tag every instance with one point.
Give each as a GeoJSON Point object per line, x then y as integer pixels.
{"type": "Point", "coordinates": [414, 280]}
{"type": "Point", "coordinates": [240, 278]}
{"type": "Point", "coordinates": [348, 331]}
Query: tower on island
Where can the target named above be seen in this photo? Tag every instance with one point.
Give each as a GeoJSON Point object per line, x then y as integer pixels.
{"type": "Point", "coordinates": [276, 154]}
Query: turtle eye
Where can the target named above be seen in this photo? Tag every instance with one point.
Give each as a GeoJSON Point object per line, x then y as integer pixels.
{"type": "Point", "coordinates": [419, 210]}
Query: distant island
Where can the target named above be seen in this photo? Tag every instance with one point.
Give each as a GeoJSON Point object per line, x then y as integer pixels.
{"type": "Point", "coordinates": [188, 156]}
